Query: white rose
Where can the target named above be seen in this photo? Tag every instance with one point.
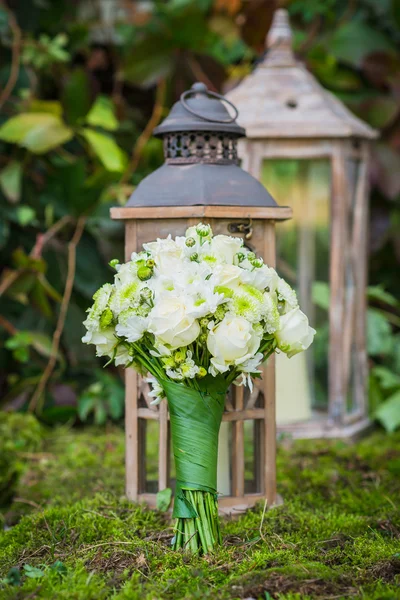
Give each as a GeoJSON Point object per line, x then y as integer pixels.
{"type": "Point", "coordinates": [261, 278]}
{"type": "Point", "coordinates": [170, 322]}
{"type": "Point", "coordinates": [227, 276]}
{"type": "Point", "coordinates": [294, 334]}
{"type": "Point", "coordinates": [166, 253]}
{"type": "Point", "coordinates": [225, 247]}
{"type": "Point", "coordinates": [233, 341]}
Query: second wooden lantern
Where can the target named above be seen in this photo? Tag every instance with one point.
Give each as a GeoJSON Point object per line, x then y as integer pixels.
{"type": "Point", "coordinates": [201, 181]}
{"type": "Point", "coordinates": [310, 150]}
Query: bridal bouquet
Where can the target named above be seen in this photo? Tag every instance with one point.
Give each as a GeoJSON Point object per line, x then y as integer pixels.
{"type": "Point", "coordinates": [196, 314]}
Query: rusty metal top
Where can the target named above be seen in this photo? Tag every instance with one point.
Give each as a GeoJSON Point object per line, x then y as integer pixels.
{"type": "Point", "coordinates": [282, 99]}
{"type": "Point", "coordinates": [200, 109]}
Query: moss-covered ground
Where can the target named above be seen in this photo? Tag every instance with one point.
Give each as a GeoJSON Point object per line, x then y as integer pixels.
{"type": "Point", "coordinates": [69, 533]}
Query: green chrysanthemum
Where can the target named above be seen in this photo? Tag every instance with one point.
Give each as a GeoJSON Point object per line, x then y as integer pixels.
{"type": "Point", "coordinates": [247, 305]}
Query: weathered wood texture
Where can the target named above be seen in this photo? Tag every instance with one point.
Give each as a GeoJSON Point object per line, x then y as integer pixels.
{"type": "Point", "coordinates": [278, 213]}
{"type": "Point", "coordinates": [347, 407]}
{"type": "Point", "coordinates": [282, 99]}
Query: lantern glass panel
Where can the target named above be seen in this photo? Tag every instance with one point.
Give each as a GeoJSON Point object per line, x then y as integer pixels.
{"type": "Point", "coordinates": [303, 247]}
{"type": "Point", "coordinates": [353, 385]}
{"type": "Point", "coordinates": [148, 448]}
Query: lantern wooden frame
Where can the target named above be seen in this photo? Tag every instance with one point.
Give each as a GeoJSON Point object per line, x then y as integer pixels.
{"type": "Point", "coordinates": [143, 225]}
{"type": "Point", "coordinates": [288, 115]}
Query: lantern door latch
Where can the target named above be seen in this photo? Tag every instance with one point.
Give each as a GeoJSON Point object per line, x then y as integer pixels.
{"type": "Point", "coordinates": [245, 227]}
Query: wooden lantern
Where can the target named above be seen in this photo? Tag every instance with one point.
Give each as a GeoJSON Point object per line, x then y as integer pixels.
{"type": "Point", "coordinates": [311, 152]}
{"type": "Point", "coordinates": [201, 181]}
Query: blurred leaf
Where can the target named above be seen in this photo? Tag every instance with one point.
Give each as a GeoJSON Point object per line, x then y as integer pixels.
{"type": "Point", "coordinates": [4, 232]}
{"type": "Point", "coordinates": [377, 292]}
{"type": "Point", "coordinates": [379, 112]}
{"type": "Point", "coordinates": [38, 132]}
{"type": "Point", "coordinates": [76, 96]}
{"type": "Point", "coordinates": [150, 61]}
{"type": "Point", "coordinates": [49, 289]}
{"type": "Point", "coordinates": [321, 294]}
{"type": "Point", "coordinates": [102, 114]}
{"type": "Point", "coordinates": [86, 403]}
{"type": "Point", "coordinates": [11, 181]}
{"type": "Point", "coordinates": [375, 394]}
{"type": "Point", "coordinates": [13, 576]}
{"type": "Point", "coordinates": [25, 215]}
{"type": "Point", "coordinates": [116, 404]}
{"type": "Point", "coordinates": [59, 567]}
{"type": "Point", "coordinates": [387, 378]}
{"type": "Point", "coordinates": [40, 301]}
{"type": "Point", "coordinates": [33, 572]}
{"type": "Point", "coordinates": [388, 414]}
{"type": "Point", "coordinates": [354, 40]}
{"type": "Point", "coordinates": [163, 499]}
{"type": "Point", "coordinates": [52, 107]}
{"type": "Point", "coordinates": [106, 149]}
{"type": "Point", "coordinates": [379, 333]}
{"type": "Point", "coordinates": [100, 414]}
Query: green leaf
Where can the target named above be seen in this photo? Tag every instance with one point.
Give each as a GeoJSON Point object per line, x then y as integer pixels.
{"type": "Point", "coordinates": [379, 333]}
{"type": "Point", "coordinates": [377, 292]}
{"type": "Point", "coordinates": [11, 180]}
{"type": "Point", "coordinates": [321, 294]}
{"type": "Point", "coordinates": [59, 567]}
{"type": "Point", "coordinates": [38, 132]}
{"type": "Point", "coordinates": [46, 106]}
{"type": "Point", "coordinates": [100, 413]}
{"type": "Point", "coordinates": [106, 149]}
{"type": "Point", "coordinates": [116, 403]}
{"type": "Point", "coordinates": [387, 378]}
{"type": "Point", "coordinates": [163, 499]}
{"type": "Point", "coordinates": [388, 414]}
{"type": "Point", "coordinates": [354, 40]}
{"type": "Point", "coordinates": [13, 576]}
{"type": "Point", "coordinates": [76, 96]}
{"type": "Point", "coordinates": [25, 215]}
{"type": "Point", "coordinates": [33, 572]}
{"type": "Point", "coordinates": [40, 301]}
{"type": "Point", "coordinates": [150, 61]}
{"type": "Point", "coordinates": [86, 403]}
{"type": "Point", "coordinates": [375, 393]}
{"type": "Point", "coordinates": [102, 114]}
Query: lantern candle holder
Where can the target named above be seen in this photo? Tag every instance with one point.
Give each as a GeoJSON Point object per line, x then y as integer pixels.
{"type": "Point", "coordinates": [201, 180]}
{"type": "Point", "coordinates": [309, 150]}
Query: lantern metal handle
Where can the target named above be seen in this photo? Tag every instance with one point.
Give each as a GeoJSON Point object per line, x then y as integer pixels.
{"type": "Point", "coordinates": [201, 88]}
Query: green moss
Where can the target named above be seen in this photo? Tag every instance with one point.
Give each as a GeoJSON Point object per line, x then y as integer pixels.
{"type": "Point", "coordinates": [19, 435]}
{"type": "Point", "coordinates": [336, 536]}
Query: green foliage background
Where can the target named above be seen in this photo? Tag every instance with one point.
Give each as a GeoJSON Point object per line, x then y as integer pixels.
{"type": "Point", "coordinates": [83, 83]}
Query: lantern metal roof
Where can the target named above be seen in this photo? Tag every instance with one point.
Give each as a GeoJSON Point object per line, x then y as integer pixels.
{"type": "Point", "coordinates": [282, 99]}
{"type": "Point", "coordinates": [201, 164]}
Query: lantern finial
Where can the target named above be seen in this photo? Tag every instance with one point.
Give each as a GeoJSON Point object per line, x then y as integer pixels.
{"type": "Point", "coordinates": [279, 41]}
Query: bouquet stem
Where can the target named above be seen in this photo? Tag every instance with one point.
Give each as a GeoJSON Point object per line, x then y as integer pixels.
{"type": "Point", "coordinates": [200, 534]}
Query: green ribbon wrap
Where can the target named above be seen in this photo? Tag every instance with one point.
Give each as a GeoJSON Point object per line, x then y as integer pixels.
{"type": "Point", "coordinates": [195, 418]}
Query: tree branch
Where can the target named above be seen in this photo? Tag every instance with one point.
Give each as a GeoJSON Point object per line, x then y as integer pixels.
{"type": "Point", "coordinates": [36, 400]}
{"type": "Point", "coordinates": [16, 53]}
